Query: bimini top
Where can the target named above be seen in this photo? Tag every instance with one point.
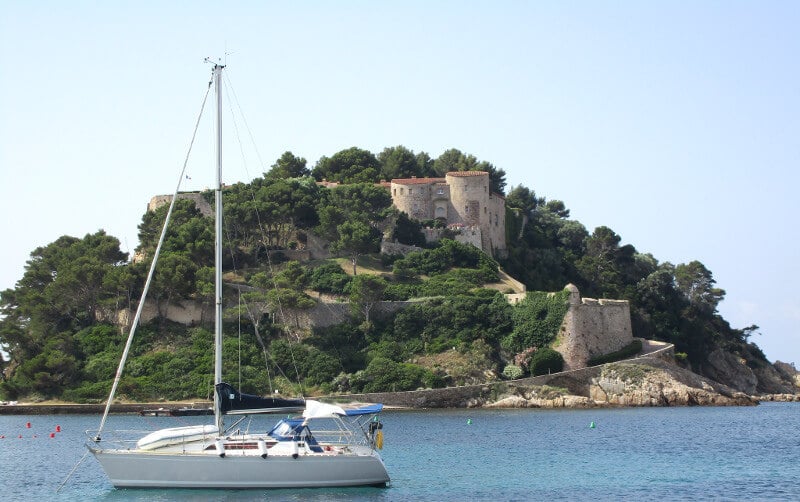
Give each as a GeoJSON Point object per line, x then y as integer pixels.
{"type": "Point", "coordinates": [315, 409]}
{"type": "Point", "coordinates": [232, 402]}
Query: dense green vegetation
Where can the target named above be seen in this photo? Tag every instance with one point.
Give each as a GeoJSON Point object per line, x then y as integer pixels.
{"type": "Point", "coordinates": [60, 329]}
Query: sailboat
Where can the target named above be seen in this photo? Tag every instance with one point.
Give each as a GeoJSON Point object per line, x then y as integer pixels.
{"type": "Point", "coordinates": [325, 445]}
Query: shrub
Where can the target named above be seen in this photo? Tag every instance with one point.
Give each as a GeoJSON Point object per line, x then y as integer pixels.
{"type": "Point", "coordinates": [385, 375]}
{"type": "Point", "coordinates": [512, 372]}
{"type": "Point", "coordinates": [545, 361]}
{"type": "Point", "coordinates": [329, 278]}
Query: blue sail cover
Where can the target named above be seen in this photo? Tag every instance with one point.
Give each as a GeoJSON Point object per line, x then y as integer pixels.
{"type": "Point", "coordinates": [369, 409]}
{"type": "Point", "coordinates": [232, 402]}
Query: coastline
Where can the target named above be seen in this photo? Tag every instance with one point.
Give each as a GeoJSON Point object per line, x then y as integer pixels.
{"type": "Point", "coordinates": [644, 381]}
{"type": "Point", "coordinates": [138, 408]}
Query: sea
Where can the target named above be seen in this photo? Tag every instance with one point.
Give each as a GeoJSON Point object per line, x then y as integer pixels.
{"type": "Point", "coordinates": [688, 453]}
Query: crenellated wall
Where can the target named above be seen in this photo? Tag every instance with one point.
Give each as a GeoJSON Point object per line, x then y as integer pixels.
{"type": "Point", "coordinates": [592, 328]}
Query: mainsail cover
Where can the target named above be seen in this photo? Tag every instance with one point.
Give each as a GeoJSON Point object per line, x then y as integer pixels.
{"type": "Point", "coordinates": [233, 402]}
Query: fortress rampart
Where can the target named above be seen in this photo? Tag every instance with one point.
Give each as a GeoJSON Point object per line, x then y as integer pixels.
{"type": "Point", "coordinates": [592, 328]}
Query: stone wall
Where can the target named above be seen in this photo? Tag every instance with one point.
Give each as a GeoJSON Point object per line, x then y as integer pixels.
{"type": "Point", "coordinates": [200, 202]}
{"type": "Point", "coordinates": [329, 312]}
{"type": "Point", "coordinates": [593, 328]}
{"type": "Point", "coordinates": [393, 248]}
{"type": "Point", "coordinates": [463, 199]}
{"type": "Point", "coordinates": [186, 312]}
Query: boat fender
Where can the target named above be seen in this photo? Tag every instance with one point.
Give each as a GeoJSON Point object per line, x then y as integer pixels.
{"type": "Point", "coordinates": [379, 440]}
{"type": "Point", "coordinates": [220, 447]}
{"type": "Point", "coordinates": [295, 449]}
{"type": "Point", "coordinates": [262, 448]}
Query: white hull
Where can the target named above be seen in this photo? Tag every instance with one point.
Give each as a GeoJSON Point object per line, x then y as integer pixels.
{"type": "Point", "coordinates": [138, 469]}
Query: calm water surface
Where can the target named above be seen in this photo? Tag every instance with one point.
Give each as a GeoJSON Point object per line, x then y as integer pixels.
{"type": "Point", "coordinates": [750, 453]}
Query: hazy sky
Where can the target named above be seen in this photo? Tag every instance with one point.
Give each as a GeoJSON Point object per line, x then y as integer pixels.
{"type": "Point", "coordinates": [676, 124]}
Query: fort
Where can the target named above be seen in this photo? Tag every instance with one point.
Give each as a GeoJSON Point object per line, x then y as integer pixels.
{"type": "Point", "coordinates": [463, 200]}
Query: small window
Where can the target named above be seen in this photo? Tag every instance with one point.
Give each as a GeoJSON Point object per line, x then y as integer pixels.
{"type": "Point", "coordinates": [410, 191]}
{"type": "Point", "coordinates": [440, 191]}
{"type": "Point", "coordinates": [401, 191]}
{"type": "Point", "coordinates": [394, 191]}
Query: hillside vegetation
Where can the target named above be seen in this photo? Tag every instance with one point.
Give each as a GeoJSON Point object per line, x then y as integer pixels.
{"type": "Point", "coordinates": [59, 331]}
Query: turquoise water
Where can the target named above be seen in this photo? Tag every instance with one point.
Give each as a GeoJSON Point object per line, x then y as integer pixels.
{"type": "Point", "coordinates": [631, 454]}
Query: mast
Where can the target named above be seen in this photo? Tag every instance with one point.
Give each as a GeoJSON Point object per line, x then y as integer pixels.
{"type": "Point", "coordinates": [218, 251]}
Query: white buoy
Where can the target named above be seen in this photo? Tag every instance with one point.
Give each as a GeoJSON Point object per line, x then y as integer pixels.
{"type": "Point", "coordinates": [262, 448]}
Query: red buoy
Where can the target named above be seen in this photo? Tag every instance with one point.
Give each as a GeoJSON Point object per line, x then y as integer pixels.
{"type": "Point", "coordinates": [58, 428]}
{"type": "Point", "coordinates": [52, 434]}
{"type": "Point", "coordinates": [28, 425]}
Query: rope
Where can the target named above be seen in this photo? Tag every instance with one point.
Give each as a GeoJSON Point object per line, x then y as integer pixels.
{"type": "Point", "coordinates": [140, 307]}
{"type": "Point", "coordinates": [72, 472]}
{"type": "Point", "coordinates": [283, 316]}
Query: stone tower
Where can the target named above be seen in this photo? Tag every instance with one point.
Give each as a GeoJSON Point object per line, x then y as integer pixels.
{"type": "Point", "coordinates": [463, 199]}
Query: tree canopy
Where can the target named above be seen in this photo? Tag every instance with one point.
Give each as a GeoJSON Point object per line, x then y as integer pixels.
{"type": "Point", "coordinates": [60, 324]}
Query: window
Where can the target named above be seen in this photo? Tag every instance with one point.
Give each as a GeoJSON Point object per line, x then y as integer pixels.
{"type": "Point", "coordinates": [410, 191]}
{"type": "Point", "coordinates": [440, 191]}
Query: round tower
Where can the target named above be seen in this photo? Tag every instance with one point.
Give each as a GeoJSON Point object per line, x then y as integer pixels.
{"type": "Point", "coordinates": [469, 196]}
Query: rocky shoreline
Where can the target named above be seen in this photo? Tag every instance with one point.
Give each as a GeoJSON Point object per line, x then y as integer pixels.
{"type": "Point", "coordinates": [644, 381]}
{"type": "Point", "coordinates": [641, 382]}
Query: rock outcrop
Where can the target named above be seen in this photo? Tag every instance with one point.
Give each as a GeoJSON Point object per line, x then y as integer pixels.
{"type": "Point", "coordinates": [758, 377]}
{"type": "Point", "coordinates": [643, 382]}
{"type": "Point", "coordinates": [658, 383]}
{"type": "Point", "coordinates": [653, 380]}
{"type": "Point", "coordinates": [724, 366]}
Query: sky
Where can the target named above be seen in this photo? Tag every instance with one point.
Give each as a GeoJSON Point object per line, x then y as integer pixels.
{"type": "Point", "coordinates": [676, 124]}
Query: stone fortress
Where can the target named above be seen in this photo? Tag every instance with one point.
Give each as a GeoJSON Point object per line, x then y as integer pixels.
{"type": "Point", "coordinates": [463, 200]}
{"type": "Point", "coordinates": [592, 328]}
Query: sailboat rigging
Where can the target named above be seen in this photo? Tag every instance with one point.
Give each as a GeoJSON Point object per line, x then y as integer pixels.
{"type": "Point", "coordinates": [327, 445]}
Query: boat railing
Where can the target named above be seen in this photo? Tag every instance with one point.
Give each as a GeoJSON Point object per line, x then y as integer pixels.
{"type": "Point", "coordinates": [128, 439]}
{"type": "Point", "coordinates": [125, 439]}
